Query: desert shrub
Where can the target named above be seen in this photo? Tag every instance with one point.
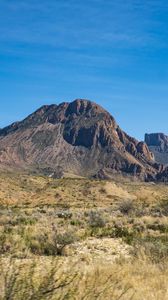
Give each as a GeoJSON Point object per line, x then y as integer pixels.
{"type": "Point", "coordinates": [51, 245]}
{"type": "Point", "coordinates": [65, 214]}
{"type": "Point", "coordinates": [24, 221]}
{"type": "Point", "coordinates": [43, 210]}
{"type": "Point", "coordinates": [75, 222]}
{"type": "Point", "coordinates": [163, 207]}
{"type": "Point", "coordinates": [63, 240]}
{"type": "Point", "coordinates": [102, 190]}
{"type": "Point", "coordinates": [42, 245]}
{"type": "Point", "coordinates": [158, 226]}
{"type": "Point", "coordinates": [96, 219]}
{"type": "Point", "coordinates": [127, 234]}
{"type": "Point", "coordinates": [155, 248]}
{"type": "Point", "coordinates": [126, 207]}
{"type": "Point", "coordinates": [139, 225]}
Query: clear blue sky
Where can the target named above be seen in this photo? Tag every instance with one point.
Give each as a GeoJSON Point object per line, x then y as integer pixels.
{"type": "Point", "coordinates": [112, 52]}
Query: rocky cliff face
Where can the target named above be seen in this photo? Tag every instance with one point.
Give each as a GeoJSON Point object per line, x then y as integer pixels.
{"type": "Point", "coordinates": [158, 145]}
{"type": "Point", "coordinates": [80, 138]}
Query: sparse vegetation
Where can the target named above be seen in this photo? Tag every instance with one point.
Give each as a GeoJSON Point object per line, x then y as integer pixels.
{"type": "Point", "coordinates": [110, 237]}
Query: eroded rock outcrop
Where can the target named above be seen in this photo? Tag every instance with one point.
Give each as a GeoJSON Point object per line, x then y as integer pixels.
{"type": "Point", "coordinates": [158, 145]}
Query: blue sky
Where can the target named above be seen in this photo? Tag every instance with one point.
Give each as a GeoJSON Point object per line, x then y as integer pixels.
{"type": "Point", "coordinates": [111, 52]}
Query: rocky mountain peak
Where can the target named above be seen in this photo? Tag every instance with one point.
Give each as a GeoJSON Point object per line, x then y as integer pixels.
{"type": "Point", "coordinates": [78, 137]}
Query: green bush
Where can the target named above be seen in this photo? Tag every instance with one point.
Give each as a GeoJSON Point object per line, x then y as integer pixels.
{"type": "Point", "coordinates": [127, 235]}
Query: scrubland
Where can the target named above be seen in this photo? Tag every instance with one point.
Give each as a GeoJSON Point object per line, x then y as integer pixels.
{"type": "Point", "coordinates": [75, 238]}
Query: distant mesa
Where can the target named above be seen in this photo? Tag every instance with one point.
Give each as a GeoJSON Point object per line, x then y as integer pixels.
{"type": "Point", "coordinates": [79, 138]}
{"type": "Point", "coordinates": [158, 145]}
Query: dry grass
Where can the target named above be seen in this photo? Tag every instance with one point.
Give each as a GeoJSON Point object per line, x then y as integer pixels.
{"type": "Point", "coordinates": [76, 238]}
{"type": "Point", "coordinates": [58, 279]}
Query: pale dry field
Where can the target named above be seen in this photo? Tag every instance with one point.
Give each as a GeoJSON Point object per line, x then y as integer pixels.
{"type": "Point", "coordinates": [75, 238]}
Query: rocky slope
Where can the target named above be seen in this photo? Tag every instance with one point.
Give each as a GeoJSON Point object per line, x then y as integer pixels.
{"type": "Point", "coordinates": [158, 145]}
{"type": "Point", "coordinates": [80, 138]}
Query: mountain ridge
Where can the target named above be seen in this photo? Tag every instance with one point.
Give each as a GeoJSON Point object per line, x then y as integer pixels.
{"type": "Point", "coordinates": [79, 137]}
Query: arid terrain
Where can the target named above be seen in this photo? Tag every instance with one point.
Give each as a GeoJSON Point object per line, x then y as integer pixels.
{"type": "Point", "coordinates": [84, 150]}
{"type": "Point", "coordinates": [75, 238]}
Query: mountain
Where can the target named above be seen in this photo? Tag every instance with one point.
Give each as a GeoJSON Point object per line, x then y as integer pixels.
{"type": "Point", "coordinates": [158, 145]}
{"type": "Point", "coordinates": [79, 138]}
